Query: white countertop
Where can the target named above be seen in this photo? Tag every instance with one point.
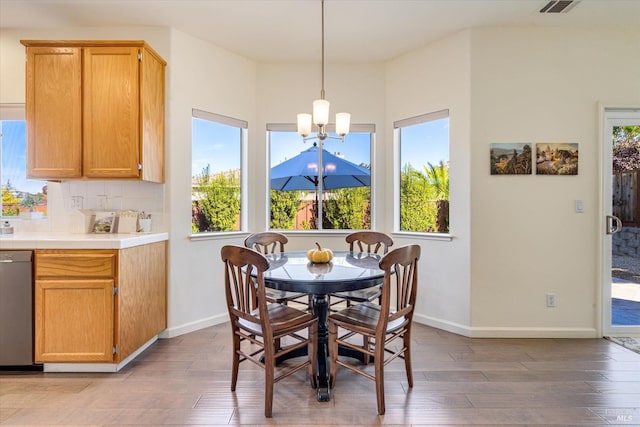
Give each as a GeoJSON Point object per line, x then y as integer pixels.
{"type": "Point", "coordinates": [36, 240]}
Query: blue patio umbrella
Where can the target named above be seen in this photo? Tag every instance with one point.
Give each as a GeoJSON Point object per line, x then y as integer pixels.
{"type": "Point", "coordinates": [301, 172]}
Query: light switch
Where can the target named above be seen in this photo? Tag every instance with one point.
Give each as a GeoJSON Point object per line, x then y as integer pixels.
{"type": "Point", "coordinates": [579, 206]}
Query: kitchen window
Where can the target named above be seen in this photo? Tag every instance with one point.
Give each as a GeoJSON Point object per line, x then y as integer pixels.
{"type": "Point", "coordinates": [20, 196]}
{"type": "Point", "coordinates": [217, 189]}
{"type": "Point", "coordinates": [314, 179]}
{"type": "Point", "coordinates": [424, 173]}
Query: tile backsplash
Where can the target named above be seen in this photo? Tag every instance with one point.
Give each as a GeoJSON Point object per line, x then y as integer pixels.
{"type": "Point", "coordinates": [69, 203]}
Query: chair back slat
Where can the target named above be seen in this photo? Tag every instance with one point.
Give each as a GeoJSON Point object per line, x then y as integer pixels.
{"type": "Point", "coordinates": [400, 273]}
{"type": "Point", "coordinates": [369, 241]}
{"type": "Point", "coordinates": [240, 263]}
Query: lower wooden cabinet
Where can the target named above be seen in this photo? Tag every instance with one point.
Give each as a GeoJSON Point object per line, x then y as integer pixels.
{"type": "Point", "coordinates": [74, 320]}
{"type": "Point", "coordinates": [98, 305]}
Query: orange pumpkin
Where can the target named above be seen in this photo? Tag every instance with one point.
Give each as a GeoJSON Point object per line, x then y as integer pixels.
{"type": "Point", "coordinates": [319, 255]}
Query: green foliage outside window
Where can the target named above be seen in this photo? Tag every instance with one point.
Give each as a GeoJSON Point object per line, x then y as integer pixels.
{"type": "Point", "coordinates": [424, 199]}
{"type": "Point", "coordinates": [9, 201]}
{"type": "Point", "coordinates": [347, 209]}
{"type": "Point", "coordinates": [284, 208]}
{"type": "Point", "coordinates": [626, 148]}
{"type": "Point", "coordinates": [216, 204]}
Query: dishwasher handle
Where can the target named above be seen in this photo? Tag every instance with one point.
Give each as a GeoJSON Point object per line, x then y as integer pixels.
{"type": "Point", "coordinates": [16, 256]}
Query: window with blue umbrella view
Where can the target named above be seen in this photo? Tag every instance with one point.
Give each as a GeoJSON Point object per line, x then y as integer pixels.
{"type": "Point", "coordinates": [315, 179]}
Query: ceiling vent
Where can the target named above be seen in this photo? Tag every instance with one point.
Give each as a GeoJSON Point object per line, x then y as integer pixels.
{"type": "Point", "coordinates": [559, 6]}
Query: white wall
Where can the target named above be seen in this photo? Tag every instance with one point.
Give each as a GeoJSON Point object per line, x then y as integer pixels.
{"type": "Point", "coordinates": [515, 238]}
{"type": "Point", "coordinates": [430, 79]}
{"type": "Point", "coordinates": [212, 79]}
{"type": "Point", "coordinates": [541, 85]}
{"type": "Point", "coordinates": [285, 90]}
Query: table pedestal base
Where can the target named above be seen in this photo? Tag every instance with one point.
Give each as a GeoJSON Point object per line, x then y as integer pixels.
{"type": "Point", "coordinates": [320, 309]}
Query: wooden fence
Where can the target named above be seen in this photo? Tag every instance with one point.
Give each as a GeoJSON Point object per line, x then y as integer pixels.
{"type": "Point", "coordinates": [625, 197]}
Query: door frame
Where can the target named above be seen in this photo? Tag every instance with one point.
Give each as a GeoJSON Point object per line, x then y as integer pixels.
{"type": "Point", "coordinates": [610, 115]}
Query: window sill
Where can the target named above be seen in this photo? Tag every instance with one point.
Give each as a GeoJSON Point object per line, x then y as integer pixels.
{"type": "Point", "coordinates": [425, 236]}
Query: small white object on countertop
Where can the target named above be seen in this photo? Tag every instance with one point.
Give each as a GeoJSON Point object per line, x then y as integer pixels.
{"type": "Point", "coordinates": [6, 228]}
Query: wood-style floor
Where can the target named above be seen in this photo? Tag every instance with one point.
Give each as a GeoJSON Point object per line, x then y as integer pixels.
{"type": "Point", "coordinates": [458, 381]}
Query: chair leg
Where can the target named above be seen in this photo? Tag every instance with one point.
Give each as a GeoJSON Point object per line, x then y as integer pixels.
{"type": "Point", "coordinates": [407, 357]}
{"type": "Point", "coordinates": [366, 346]}
{"type": "Point", "coordinates": [333, 353]}
{"type": "Point", "coordinates": [379, 374]}
{"type": "Point", "coordinates": [236, 361]}
{"type": "Point", "coordinates": [269, 369]}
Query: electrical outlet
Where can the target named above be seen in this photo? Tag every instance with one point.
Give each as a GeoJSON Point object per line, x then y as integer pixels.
{"type": "Point", "coordinates": [551, 300]}
{"type": "Point", "coordinates": [76, 202]}
{"type": "Point", "coordinates": [101, 202]}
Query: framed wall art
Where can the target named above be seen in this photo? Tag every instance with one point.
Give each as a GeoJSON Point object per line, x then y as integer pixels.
{"type": "Point", "coordinates": [511, 158]}
{"type": "Point", "coordinates": [556, 158]}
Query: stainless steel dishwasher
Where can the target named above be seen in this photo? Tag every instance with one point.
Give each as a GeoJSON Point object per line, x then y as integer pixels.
{"type": "Point", "coordinates": [16, 308]}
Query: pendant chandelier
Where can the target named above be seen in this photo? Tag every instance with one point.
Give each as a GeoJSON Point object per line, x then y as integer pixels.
{"type": "Point", "coordinates": [321, 111]}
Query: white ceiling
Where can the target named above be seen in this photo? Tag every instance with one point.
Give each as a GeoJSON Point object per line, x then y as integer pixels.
{"type": "Point", "coordinates": [289, 30]}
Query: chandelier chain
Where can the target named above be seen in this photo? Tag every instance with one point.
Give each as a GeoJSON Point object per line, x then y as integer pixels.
{"type": "Point", "coordinates": [322, 51]}
{"type": "Point", "coordinates": [320, 116]}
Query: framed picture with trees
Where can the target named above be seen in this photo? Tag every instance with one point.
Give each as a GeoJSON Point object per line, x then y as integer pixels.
{"type": "Point", "coordinates": [511, 158]}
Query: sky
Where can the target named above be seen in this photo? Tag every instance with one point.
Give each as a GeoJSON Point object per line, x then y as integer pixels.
{"type": "Point", "coordinates": [14, 157]}
{"type": "Point", "coordinates": [214, 144]}
{"type": "Point", "coordinates": [426, 142]}
{"type": "Point", "coordinates": [356, 147]}
{"type": "Point", "coordinates": [422, 143]}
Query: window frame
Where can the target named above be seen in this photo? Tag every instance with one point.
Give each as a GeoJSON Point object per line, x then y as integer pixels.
{"type": "Point", "coordinates": [330, 128]}
{"type": "Point", "coordinates": [243, 126]}
{"type": "Point", "coordinates": [15, 112]}
{"type": "Point", "coordinates": [397, 127]}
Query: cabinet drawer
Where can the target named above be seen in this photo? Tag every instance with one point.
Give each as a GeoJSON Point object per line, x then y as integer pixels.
{"type": "Point", "coordinates": [75, 264]}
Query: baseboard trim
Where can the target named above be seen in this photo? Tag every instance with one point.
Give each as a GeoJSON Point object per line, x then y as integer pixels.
{"type": "Point", "coordinates": [456, 328]}
{"type": "Point", "coordinates": [506, 332]}
{"type": "Point", "coordinates": [186, 328]}
{"type": "Point", "coordinates": [97, 367]}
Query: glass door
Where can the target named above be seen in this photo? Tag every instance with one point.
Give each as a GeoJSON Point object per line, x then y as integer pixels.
{"type": "Point", "coordinates": [621, 190]}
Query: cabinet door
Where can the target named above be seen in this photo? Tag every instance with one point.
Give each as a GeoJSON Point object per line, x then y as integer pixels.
{"type": "Point", "coordinates": [111, 132]}
{"type": "Point", "coordinates": [74, 320]}
{"type": "Point", "coordinates": [142, 296]}
{"type": "Point", "coordinates": [152, 117]}
{"type": "Point", "coordinates": [54, 112]}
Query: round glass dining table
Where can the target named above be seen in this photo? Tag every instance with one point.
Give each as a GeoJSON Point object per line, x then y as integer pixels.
{"type": "Point", "coordinates": [347, 271]}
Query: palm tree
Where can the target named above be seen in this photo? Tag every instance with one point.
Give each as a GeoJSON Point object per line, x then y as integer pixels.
{"type": "Point", "coordinates": [437, 181]}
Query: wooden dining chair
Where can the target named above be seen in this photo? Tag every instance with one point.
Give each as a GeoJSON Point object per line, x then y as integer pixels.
{"type": "Point", "coordinates": [372, 242]}
{"type": "Point", "coordinates": [269, 242]}
{"type": "Point", "coordinates": [380, 324]}
{"type": "Point", "coordinates": [256, 330]}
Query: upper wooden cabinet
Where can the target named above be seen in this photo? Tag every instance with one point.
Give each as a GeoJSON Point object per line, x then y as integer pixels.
{"type": "Point", "coordinates": [95, 109]}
